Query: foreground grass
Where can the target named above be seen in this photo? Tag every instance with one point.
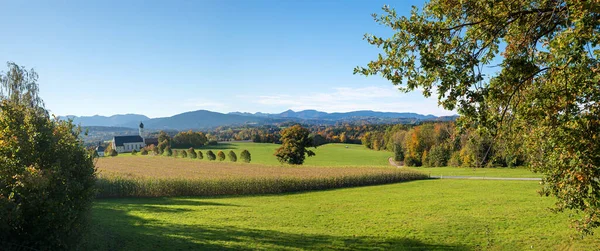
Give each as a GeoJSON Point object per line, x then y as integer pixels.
{"type": "Point", "coordinates": [149, 176]}
{"type": "Point", "coordinates": [432, 214]}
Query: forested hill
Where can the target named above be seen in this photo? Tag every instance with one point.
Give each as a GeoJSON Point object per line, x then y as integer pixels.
{"type": "Point", "coordinates": [203, 119]}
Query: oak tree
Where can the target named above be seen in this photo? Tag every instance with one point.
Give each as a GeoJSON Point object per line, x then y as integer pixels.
{"type": "Point", "coordinates": [526, 67]}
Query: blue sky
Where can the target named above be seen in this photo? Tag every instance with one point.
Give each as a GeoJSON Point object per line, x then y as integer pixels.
{"type": "Point", "coordinates": [161, 58]}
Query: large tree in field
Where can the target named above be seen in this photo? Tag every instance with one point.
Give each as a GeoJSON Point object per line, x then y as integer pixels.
{"type": "Point", "coordinates": [294, 141]}
{"type": "Point", "coordinates": [527, 67]}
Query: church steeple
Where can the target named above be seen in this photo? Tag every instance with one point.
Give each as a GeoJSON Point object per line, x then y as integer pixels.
{"type": "Point", "coordinates": [141, 130]}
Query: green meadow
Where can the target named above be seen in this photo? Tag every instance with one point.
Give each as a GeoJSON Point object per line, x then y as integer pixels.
{"type": "Point", "coordinates": [416, 215]}
{"type": "Point", "coordinates": [259, 212]}
{"type": "Point", "coordinates": [326, 155]}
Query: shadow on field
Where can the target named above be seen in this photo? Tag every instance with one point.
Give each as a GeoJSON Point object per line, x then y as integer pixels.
{"type": "Point", "coordinates": [220, 146]}
{"type": "Point", "coordinates": [114, 229]}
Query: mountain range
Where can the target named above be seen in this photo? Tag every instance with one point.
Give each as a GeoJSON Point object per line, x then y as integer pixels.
{"type": "Point", "coordinates": [203, 119]}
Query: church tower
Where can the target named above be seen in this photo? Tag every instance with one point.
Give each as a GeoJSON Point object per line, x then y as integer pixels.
{"type": "Point", "coordinates": [141, 130]}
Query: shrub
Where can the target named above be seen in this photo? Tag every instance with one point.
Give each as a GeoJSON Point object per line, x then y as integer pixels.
{"type": "Point", "coordinates": [168, 151]}
{"type": "Point", "coordinates": [175, 153]}
{"type": "Point", "coordinates": [245, 156]}
{"type": "Point", "coordinates": [200, 155]}
{"type": "Point", "coordinates": [134, 152]}
{"type": "Point", "coordinates": [113, 153]}
{"type": "Point", "coordinates": [411, 161]}
{"type": "Point", "coordinates": [210, 155]}
{"type": "Point", "coordinates": [220, 155]}
{"type": "Point", "coordinates": [212, 143]}
{"type": "Point", "coordinates": [192, 153]}
{"type": "Point", "coordinates": [144, 151]}
{"type": "Point", "coordinates": [184, 154]}
{"type": "Point", "coordinates": [47, 177]}
{"type": "Point", "coordinates": [232, 156]}
{"type": "Point", "coordinates": [155, 150]}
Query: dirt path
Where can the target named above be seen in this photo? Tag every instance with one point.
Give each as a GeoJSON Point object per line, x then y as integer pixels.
{"type": "Point", "coordinates": [393, 163]}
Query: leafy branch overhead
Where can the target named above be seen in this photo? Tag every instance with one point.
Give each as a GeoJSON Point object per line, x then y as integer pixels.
{"type": "Point", "coordinates": [513, 68]}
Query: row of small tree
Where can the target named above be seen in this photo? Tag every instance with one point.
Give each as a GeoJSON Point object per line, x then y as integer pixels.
{"type": "Point", "coordinates": [193, 154]}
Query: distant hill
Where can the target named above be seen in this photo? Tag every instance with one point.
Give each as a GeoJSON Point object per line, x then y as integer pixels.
{"type": "Point", "coordinates": [203, 119]}
{"type": "Point", "coordinates": [115, 120]}
{"type": "Point", "coordinates": [314, 114]}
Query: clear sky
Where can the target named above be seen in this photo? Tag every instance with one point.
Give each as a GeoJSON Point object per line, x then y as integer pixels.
{"type": "Point", "coordinates": [161, 58]}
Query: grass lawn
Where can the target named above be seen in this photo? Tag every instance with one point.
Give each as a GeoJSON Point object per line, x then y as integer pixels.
{"type": "Point", "coordinates": [520, 172]}
{"type": "Point", "coordinates": [326, 155]}
{"type": "Point", "coordinates": [431, 214]}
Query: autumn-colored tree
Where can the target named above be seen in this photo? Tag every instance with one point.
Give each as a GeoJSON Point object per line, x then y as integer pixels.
{"type": "Point", "coordinates": [220, 156]}
{"type": "Point", "coordinates": [545, 88]}
{"type": "Point", "coordinates": [293, 150]}
{"type": "Point", "coordinates": [47, 176]}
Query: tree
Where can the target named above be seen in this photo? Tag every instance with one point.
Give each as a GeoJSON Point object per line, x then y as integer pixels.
{"type": "Point", "coordinates": [293, 150]}
{"type": "Point", "coordinates": [164, 141]}
{"type": "Point", "coordinates": [144, 151]}
{"type": "Point", "coordinates": [545, 87]}
{"type": "Point", "coordinates": [134, 152]}
{"type": "Point", "coordinates": [220, 155]}
{"type": "Point", "coordinates": [184, 154]}
{"type": "Point", "coordinates": [192, 153]}
{"type": "Point", "coordinates": [189, 139]}
{"type": "Point", "coordinates": [108, 149]}
{"type": "Point", "coordinates": [232, 156]}
{"type": "Point", "coordinates": [318, 140]}
{"type": "Point", "coordinates": [210, 155]}
{"type": "Point", "coordinates": [175, 153]}
{"type": "Point", "coordinates": [168, 151]}
{"type": "Point", "coordinates": [245, 156]}
{"type": "Point", "coordinates": [47, 177]}
{"type": "Point", "coordinates": [113, 153]}
{"type": "Point", "coordinates": [200, 155]}
{"type": "Point", "coordinates": [398, 152]}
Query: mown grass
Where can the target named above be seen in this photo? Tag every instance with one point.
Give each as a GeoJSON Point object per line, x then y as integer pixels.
{"type": "Point", "coordinates": [327, 155]}
{"type": "Point", "coordinates": [416, 215]}
{"type": "Point", "coordinates": [520, 172]}
{"type": "Point", "coordinates": [148, 176]}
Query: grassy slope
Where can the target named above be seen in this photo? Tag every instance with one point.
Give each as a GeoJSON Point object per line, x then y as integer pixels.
{"type": "Point", "coordinates": [337, 155]}
{"type": "Point", "coordinates": [434, 214]}
{"type": "Point", "coordinates": [327, 155]}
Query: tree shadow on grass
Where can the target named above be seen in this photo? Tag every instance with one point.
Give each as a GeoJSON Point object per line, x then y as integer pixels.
{"type": "Point", "coordinates": [220, 146]}
{"type": "Point", "coordinates": [117, 229]}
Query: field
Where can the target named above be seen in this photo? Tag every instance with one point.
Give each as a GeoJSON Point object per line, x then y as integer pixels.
{"type": "Point", "coordinates": [478, 172]}
{"type": "Point", "coordinates": [155, 176]}
{"type": "Point", "coordinates": [166, 167]}
{"type": "Point", "coordinates": [430, 214]}
{"type": "Point", "coordinates": [232, 208]}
